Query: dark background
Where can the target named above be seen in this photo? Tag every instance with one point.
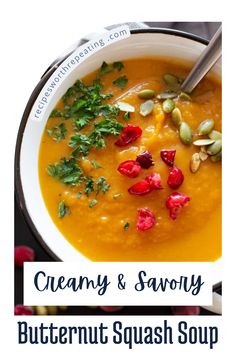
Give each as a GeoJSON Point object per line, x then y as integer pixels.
{"type": "Point", "coordinates": [24, 236]}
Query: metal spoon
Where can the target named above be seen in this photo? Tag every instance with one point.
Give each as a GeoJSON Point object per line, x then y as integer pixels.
{"type": "Point", "coordinates": [207, 59]}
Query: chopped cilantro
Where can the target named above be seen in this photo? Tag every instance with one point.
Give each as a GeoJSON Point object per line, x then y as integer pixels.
{"type": "Point", "coordinates": [105, 69]}
{"type": "Point", "coordinates": [89, 186]}
{"type": "Point", "coordinates": [66, 171]}
{"type": "Point", "coordinates": [121, 81]}
{"type": "Point", "coordinates": [56, 113]}
{"type": "Point", "coordinates": [63, 209]}
{"type": "Point", "coordinates": [102, 185]}
{"type": "Point", "coordinates": [58, 132]}
{"type": "Point", "coordinates": [118, 65]}
{"type": "Point", "coordinates": [126, 226]}
{"type": "Point", "coordinates": [92, 203]}
{"type": "Point", "coordinates": [95, 164]}
{"type": "Point", "coordinates": [126, 115]}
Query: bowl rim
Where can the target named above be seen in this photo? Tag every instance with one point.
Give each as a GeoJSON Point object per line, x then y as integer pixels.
{"type": "Point", "coordinates": [17, 175]}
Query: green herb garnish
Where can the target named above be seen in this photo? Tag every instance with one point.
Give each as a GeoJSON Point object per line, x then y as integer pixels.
{"type": "Point", "coordinates": [56, 113]}
{"type": "Point", "coordinates": [105, 69]}
{"type": "Point", "coordinates": [63, 209]}
{"type": "Point", "coordinates": [126, 115]}
{"type": "Point", "coordinates": [121, 81]}
{"type": "Point", "coordinates": [102, 185]}
{"type": "Point", "coordinates": [95, 164]}
{"type": "Point", "coordinates": [118, 65]}
{"type": "Point", "coordinates": [58, 132]}
{"type": "Point", "coordinates": [79, 195]}
{"type": "Point", "coordinates": [126, 226]}
{"type": "Point", "coordinates": [92, 203]}
{"type": "Point", "coordinates": [66, 171]}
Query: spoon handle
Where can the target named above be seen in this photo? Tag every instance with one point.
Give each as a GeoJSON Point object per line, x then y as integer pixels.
{"type": "Point", "coordinates": [205, 62]}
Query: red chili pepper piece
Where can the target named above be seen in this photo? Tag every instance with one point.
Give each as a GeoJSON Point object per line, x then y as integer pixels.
{"type": "Point", "coordinates": [128, 135]}
{"type": "Point", "coordinates": [154, 180]}
{"type": "Point", "coordinates": [145, 159]}
{"type": "Point", "coordinates": [175, 202]}
{"type": "Point", "coordinates": [21, 310]}
{"type": "Point", "coordinates": [23, 254]}
{"type": "Point", "coordinates": [146, 219]}
{"type": "Point", "coordinates": [175, 178]}
{"type": "Point", "coordinates": [168, 156]}
{"type": "Point", "coordinates": [140, 188]}
{"type": "Point", "coordinates": [129, 168]}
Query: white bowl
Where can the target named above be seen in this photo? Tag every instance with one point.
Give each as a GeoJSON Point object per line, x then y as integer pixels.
{"type": "Point", "coordinates": [148, 42]}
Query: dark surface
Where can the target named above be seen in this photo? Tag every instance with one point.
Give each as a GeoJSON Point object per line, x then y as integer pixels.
{"type": "Point", "coordinates": [24, 236]}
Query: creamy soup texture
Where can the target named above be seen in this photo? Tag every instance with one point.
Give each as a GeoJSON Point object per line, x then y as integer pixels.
{"type": "Point", "coordinates": [91, 198]}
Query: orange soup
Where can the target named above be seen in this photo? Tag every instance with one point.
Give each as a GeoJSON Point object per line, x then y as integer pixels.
{"type": "Point", "coordinates": [130, 166]}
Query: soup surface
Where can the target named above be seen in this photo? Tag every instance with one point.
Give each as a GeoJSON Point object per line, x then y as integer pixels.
{"type": "Point", "coordinates": [95, 205]}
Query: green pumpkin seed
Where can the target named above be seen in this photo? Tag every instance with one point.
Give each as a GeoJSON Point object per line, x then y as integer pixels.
{"type": "Point", "coordinates": [206, 127]}
{"type": "Point", "coordinates": [185, 133]}
{"type": "Point", "coordinates": [215, 148]}
{"type": "Point", "coordinates": [203, 156]}
{"type": "Point", "coordinates": [215, 135]}
{"type": "Point", "coordinates": [203, 142]}
{"type": "Point", "coordinates": [168, 105]}
{"type": "Point", "coordinates": [146, 108]}
{"type": "Point", "coordinates": [125, 107]}
{"type": "Point", "coordinates": [195, 162]}
{"type": "Point", "coordinates": [217, 157]}
{"type": "Point", "coordinates": [185, 96]}
{"type": "Point", "coordinates": [146, 94]}
{"type": "Point", "coordinates": [176, 117]}
{"type": "Point", "coordinates": [171, 80]}
{"type": "Point", "coordinates": [167, 94]}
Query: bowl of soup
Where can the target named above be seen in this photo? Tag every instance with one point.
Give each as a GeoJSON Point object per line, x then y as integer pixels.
{"type": "Point", "coordinates": [123, 165]}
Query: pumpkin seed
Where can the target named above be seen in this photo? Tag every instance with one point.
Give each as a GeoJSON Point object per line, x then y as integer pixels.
{"type": "Point", "coordinates": [206, 127]}
{"type": "Point", "coordinates": [195, 162]}
{"type": "Point", "coordinates": [215, 135]}
{"type": "Point", "coordinates": [176, 117]}
{"type": "Point", "coordinates": [146, 94]}
{"type": "Point", "coordinates": [203, 142]}
{"type": "Point", "coordinates": [203, 149]}
{"type": "Point", "coordinates": [146, 108]}
{"type": "Point", "coordinates": [125, 107]}
{"type": "Point", "coordinates": [170, 79]}
{"type": "Point", "coordinates": [167, 94]}
{"type": "Point", "coordinates": [203, 156]}
{"type": "Point", "coordinates": [52, 310]}
{"type": "Point", "coordinates": [168, 105]}
{"type": "Point", "coordinates": [215, 148]}
{"type": "Point", "coordinates": [185, 133]}
{"type": "Point", "coordinates": [185, 97]}
{"type": "Point", "coordinates": [217, 157]}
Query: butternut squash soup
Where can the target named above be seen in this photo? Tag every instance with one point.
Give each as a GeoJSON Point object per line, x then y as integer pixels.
{"type": "Point", "coordinates": [130, 166]}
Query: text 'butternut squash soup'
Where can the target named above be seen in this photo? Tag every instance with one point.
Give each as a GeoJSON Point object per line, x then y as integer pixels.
{"type": "Point", "coordinates": [130, 166]}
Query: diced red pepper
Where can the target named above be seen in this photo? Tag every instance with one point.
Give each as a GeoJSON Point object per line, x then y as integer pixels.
{"type": "Point", "coordinates": [145, 159]}
{"type": "Point", "coordinates": [146, 219]}
{"type": "Point", "coordinates": [168, 156]}
{"type": "Point", "coordinates": [140, 188]}
{"type": "Point", "coordinates": [154, 180]}
{"type": "Point", "coordinates": [128, 135]}
{"type": "Point", "coordinates": [175, 202]}
{"type": "Point", "coordinates": [175, 178]}
{"type": "Point", "coordinates": [23, 254]}
{"type": "Point", "coordinates": [129, 168]}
